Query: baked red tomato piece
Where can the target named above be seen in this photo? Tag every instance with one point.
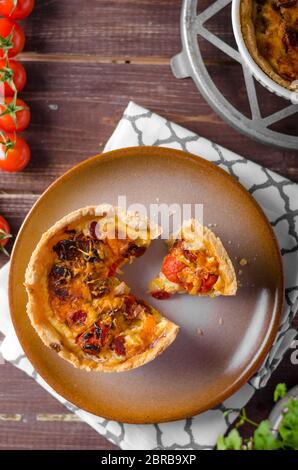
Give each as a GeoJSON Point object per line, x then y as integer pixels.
{"type": "Point", "coordinates": [171, 267]}
{"type": "Point", "coordinates": [92, 340]}
{"type": "Point", "coordinates": [14, 115]}
{"type": "Point", "coordinates": [4, 234]}
{"type": "Point", "coordinates": [16, 9]}
{"type": "Point", "coordinates": [13, 77]}
{"type": "Point", "coordinates": [208, 283]}
{"type": "Point", "coordinates": [119, 345]}
{"type": "Point", "coordinates": [14, 153]}
{"type": "Point", "coordinates": [161, 295]}
{"type": "Point", "coordinates": [12, 38]}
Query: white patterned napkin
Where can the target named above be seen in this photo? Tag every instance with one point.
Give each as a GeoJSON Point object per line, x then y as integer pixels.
{"type": "Point", "coordinates": [279, 199]}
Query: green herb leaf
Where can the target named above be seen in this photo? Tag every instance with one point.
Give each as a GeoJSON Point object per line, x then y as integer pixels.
{"type": "Point", "coordinates": [288, 429]}
{"type": "Point", "coordinates": [249, 443]}
{"type": "Point", "coordinates": [280, 391]}
{"type": "Point", "coordinates": [233, 441]}
{"type": "Point", "coordinates": [264, 439]}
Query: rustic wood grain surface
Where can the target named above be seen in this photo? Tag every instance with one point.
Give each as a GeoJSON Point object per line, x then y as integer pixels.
{"type": "Point", "coordinates": [85, 61]}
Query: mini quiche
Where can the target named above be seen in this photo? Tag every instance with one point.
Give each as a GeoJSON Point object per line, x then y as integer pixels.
{"type": "Point", "coordinates": [76, 303]}
{"type": "Point", "coordinates": [270, 30]}
{"type": "Point", "coordinates": [197, 264]}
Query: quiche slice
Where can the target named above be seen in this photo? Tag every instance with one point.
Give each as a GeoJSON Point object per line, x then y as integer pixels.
{"type": "Point", "coordinates": [76, 303]}
{"type": "Point", "coordinates": [270, 31]}
{"type": "Point", "coordinates": [197, 263]}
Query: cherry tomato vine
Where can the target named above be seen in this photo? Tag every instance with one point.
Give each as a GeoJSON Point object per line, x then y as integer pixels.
{"type": "Point", "coordinates": [4, 234]}
{"type": "Point", "coordinates": [14, 112]}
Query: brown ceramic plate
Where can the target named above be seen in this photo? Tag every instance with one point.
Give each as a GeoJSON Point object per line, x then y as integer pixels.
{"type": "Point", "coordinates": [197, 371]}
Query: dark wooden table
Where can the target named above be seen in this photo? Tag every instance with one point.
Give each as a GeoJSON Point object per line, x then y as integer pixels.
{"type": "Point", "coordinates": [85, 61]}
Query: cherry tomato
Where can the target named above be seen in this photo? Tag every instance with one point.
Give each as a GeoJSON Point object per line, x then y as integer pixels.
{"type": "Point", "coordinates": [171, 268]}
{"type": "Point", "coordinates": [14, 153]}
{"type": "Point", "coordinates": [14, 115]}
{"type": "Point", "coordinates": [12, 74]}
{"type": "Point", "coordinates": [4, 234]}
{"type": "Point", "coordinates": [12, 38]}
{"type": "Point", "coordinates": [16, 9]}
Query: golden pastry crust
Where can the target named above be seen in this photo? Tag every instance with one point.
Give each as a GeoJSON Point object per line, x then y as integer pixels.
{"type": "Point", "coordinates": [199, 245]}
{"type": "Point", "coordinates": [270, 31]}
{"type": "Point", "coordinates": [78, 342]}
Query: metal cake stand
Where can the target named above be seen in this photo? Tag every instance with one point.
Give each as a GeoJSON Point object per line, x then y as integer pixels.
{"type": "Point", "coordinates": [189, 63]}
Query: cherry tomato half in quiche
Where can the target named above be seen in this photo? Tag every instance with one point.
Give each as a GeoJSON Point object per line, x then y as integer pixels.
{"type": "Point", "coordinates": [16, 9]}
{"type": "Point", "coordinates": [14, 115]}
{"type": "Point", "coordinates": [13, 77]}
{"type": "Point", "coordinates": [12, 38]}
{"type": "Point", "coordinates": [171, 267]}
{"type": "Point", "coordinates": [4, 234]}
{"type": "Point", "coordinates": [14, 153]}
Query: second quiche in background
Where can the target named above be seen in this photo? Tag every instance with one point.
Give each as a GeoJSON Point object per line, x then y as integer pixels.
{"type": "Point", "coordinates": [270, 31]}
